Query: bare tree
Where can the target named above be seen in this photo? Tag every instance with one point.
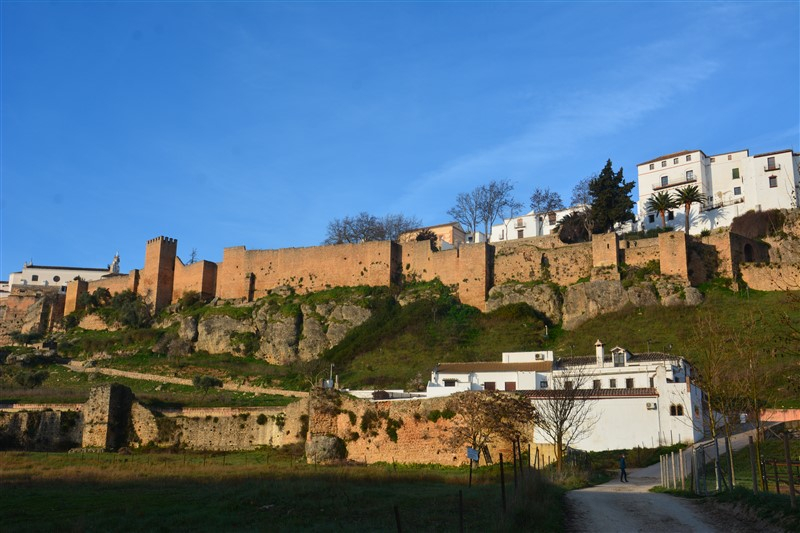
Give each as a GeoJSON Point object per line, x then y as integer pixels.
{"type": "Point", "coordinates": [483, 205]}
{"type": "Point", "coordinates": [366, 227]}
{"type": "Point", "coordinates": [564, 413]}
{"type": "Point", "coordinates": [496, 198]}
{"type": "Point", "coordinates": [467, 209]}
{"type": "Point", "coordinates": [545, 200]}
{"type": "Point", "coordinates": [193, 257]}
{"type": "Point", "coordinates": [581, 197]}
{"type": "Point", "coordinates": [482, 416]}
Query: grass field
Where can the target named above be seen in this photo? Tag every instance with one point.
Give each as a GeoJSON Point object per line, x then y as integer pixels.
{"type": "Point", "coordinates": [66, 386]}
{"type": "Point", "coordinates": [256, 491]}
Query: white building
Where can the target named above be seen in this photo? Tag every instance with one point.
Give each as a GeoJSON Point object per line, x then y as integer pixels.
{"type": "Point", "coordinates": [530, 225]}
{"type": "Point", "coordinates": [59, 276]}
{"type": "Point", "coordinates": [733, 182]}
{"type": "Point", "coordinates": [643, 399]}
{"type": "Point", "coordinates": [517, 371]}
{"type": "Point", "coordinates": [634, 400]}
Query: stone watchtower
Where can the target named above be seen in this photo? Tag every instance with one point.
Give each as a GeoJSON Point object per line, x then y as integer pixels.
{"type": "Point", "coordinates": [159, 271]}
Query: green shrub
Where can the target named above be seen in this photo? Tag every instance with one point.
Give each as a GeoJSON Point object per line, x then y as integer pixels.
{"type": "Point", "coordinates": [370, 422]}
{"type": "Point", "coordinates": [261, 419]}
{"type": "Point", "coordinates": [31, 378]}
{"type": "Point", "coordinates": [447, 414]}
{"type": "Point", "coordinates": [434, 415]}
{"type": "Point", "coordinates": [392, 426]}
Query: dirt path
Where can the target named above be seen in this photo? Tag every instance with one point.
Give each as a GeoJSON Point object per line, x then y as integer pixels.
{"type": "Point", "coordinates": [77, 366]}
{"type": "Point", "coordinates": [629, 507]}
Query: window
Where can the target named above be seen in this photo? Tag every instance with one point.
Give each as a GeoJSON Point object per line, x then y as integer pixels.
{"type": "Point", "coordinates": [596, 384]}
{"type": "Point", "coordinates": [663, 164]}
{"type": "Point", "coordinates": [729, 157]}
{"type": "Point", "coordinates": [689, 157]}
{"type": "Point", "coordinates": [713, 159]}
{"type": "Point", "coordinates": [489, 385]}
{"type": "Point", "coordinates": [652, 382]}
{"type": "Point", "coordinates": [35, 277]}
{"type": "Point", "coordinates": [619, 359]}
{"type": "Point", "coordinates": [568, 385]}
{"type": "Point", "coordinates": [651, 218]}
{"type": "Point", "coordinates": [675, 410]}
{"type": "Point", "coordinates": [675, 161]}
{"type": "Point", "coordinates": [773, 182]}
{"type": "Point", "coordinates": [450, 383]}
{"type": "Point", "coordinates": [543, 384]}
{"type": "Point", "coordinates": [689, 175]}
{"type": "Point", "coordinates": [520, 233]}
{"type": "Point", "coordinates": [737, 191]}
{"type": "Point", "coordinates": [735, 173]}
{"type": "Point", "coordinates": [502, 234]}
{"type": "Point", "coordinates": [664, 181]}
{"type": "Point", "coordinates": [652, 166]}
{"type": "Point", "coordinates": [56, 278]}
{"type": "Point", "coordinates": [771, 163]}
{"type": "Point", "coordinates": [670, 215]}
{"type": "Point", "coordinates": [629, 383]}
{"type": "Point", "coordinates": [612, 383]}
{"type": "Point", "coordinates": [511, 385]}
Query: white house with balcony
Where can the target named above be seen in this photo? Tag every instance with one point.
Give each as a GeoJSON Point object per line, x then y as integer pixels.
{"type": "Point", "coordinates": [59, 276]}
{"type": "Point", "coordinates": [516, 371]}
{"type": "Point", "coordinates": [646, 399]}
{"type": "Point", "coordinates": [733, 183]}
{"type": "Point", "coordinates": [532, 224]}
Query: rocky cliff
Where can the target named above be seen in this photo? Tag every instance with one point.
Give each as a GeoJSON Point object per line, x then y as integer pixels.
{"type": "Point", "coordinates": [583, 301]}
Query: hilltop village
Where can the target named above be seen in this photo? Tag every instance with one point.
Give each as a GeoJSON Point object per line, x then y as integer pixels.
{"type": "Point", "coordinates": [566, 283]}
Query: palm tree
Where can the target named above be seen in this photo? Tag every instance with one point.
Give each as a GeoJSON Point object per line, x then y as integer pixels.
{"type": "Point", "coordinates": [687, 196]}
{"type": "Point", "coordinates": [661, 202]}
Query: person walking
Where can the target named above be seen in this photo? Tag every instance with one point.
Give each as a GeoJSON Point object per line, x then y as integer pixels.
{"type": "Point", "coordinates": [623, 476]}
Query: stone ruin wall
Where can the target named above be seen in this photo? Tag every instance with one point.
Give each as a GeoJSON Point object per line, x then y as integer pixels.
{"type": "Point", "coordinates": [771, 277]}
{"type": "Point", "coordinates": [30, 309]}
{"type": "Point", "coordinates": [468, 267]}
{"type": "Point", "coordinates": [41, 427]}
{"type": "Point", "coordinates": [200, 277]}
{"type": "Point", "coordinates": [251, 274]}
{"type": "Point", "coordinates": [419, 440]}
{"type": "Point", "coordinates": [214, 429]}
{"type": "Point", "coordinates": [542, 258]}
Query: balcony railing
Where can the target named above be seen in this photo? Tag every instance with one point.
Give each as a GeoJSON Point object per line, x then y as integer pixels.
{"type": "Point", "coordinates": [770, 168]}
{"type": "Point", "coordinates": [684, 182]}
{"type": "Point", "coordinates": [723, 203]}
{"type": "Point", "coordinates": [519, 224]}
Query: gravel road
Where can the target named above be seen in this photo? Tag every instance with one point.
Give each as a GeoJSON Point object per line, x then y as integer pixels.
{"type": "Point", "coordinates": [629, 507]}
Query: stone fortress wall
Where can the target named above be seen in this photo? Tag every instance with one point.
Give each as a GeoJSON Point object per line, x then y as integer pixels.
{"type": "Point", "coordinates": [473, 269]}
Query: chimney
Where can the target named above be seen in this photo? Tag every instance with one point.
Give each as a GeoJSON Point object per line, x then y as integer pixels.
{"type": "Point", "coordinates": [599, 353]}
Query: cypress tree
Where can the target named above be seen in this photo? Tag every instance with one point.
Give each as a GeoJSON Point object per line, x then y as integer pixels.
{"type": "Point", "coordinates": [611, 199]}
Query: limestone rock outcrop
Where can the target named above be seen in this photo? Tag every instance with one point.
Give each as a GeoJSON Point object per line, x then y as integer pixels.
{"type": "Point", "coordinates": [544, 298]}
{"type": "Point", "coordinates": [214, 333]}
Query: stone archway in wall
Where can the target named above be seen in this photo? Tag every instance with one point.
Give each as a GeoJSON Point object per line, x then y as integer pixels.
{"type": "Point", "coordinates": [748, 253]}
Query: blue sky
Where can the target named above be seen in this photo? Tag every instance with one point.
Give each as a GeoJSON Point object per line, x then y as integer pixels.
{"type": "Point", "coordinates": [225, 124]}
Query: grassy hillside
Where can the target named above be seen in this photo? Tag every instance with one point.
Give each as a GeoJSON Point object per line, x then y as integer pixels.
{"type": "Point", "coordinates": [400, 344]}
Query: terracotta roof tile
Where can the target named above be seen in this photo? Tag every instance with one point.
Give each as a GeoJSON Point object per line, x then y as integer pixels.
{"type": "Point", "coordinates": [465, 368]}
{"type": "Point", "coordinates": [644, 392]}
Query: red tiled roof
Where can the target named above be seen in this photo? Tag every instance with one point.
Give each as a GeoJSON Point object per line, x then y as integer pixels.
{"type": "Point", "coordinates": [773, 153]}
{"type": "Point", "coordinates": [676, 154]}
{"type": "Point", "coordinates": [466, 368]}
{"type": "Point", "coordinates": [597, 393]}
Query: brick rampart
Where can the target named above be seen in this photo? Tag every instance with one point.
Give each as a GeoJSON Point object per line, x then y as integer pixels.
{"type": "Point", "coordinates": [200, 277]}
{"type": "Point", "coordinates": [158, 276]}
{"type": "Point", "coordinates": [74, 290]}
{"type": "Point", "coordinates": [639, 252]}
{"type": "Point", "coordinates": [542, 258]}
{"type": "Point", "coordinates": [468, 267]}
{"type": "Point", "coordinates": [673, 255]}
{"type": "Point", "coordinates": [250, 274]}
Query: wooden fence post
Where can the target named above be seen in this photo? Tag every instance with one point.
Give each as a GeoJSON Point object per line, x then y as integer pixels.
{"type": "Point", "coordinates": [753, 464]}
{"type": "Point", "coordinates": [502, 483]}
{"type": "Point", "coordinates": [788, 456]}
{"type": "Point", "coordinates": [683, 471]}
